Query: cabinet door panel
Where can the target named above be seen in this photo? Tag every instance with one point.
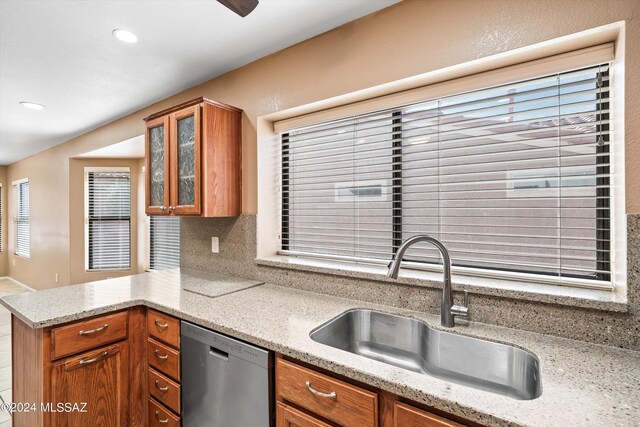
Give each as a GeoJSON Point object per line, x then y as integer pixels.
{"type": "Point", "coordinates": [157, 166]}
{"type": "Point", "coordinates": [408, 416]}
{"type": "Point", "coordinates": [99, 378]}
{"type": "Point", "coordinates": [185, 161]}
{"type": "Point", "coordinates": [286, 416]}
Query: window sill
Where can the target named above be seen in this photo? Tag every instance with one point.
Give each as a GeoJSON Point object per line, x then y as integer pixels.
{"type": "Point", "coordinates": [551, 294]}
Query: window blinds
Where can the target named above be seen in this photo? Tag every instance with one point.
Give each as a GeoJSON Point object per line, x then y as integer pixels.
{"type": "Point", "coordinates": [109, 220]}
{"type": "Point", "coordinates": [509, 178]}
{"type": "Point", "coordinates": [164, 242]}
{"type": "Point", "coordinates": [1, 214]}
{"type": "Point", "coordinates": [23, 246]}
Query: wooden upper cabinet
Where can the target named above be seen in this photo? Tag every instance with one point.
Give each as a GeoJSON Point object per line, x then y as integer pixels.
{"type": "Point", "coordinates": [198, 171]}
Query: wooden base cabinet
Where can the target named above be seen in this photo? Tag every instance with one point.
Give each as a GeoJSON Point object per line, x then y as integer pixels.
{"type": "Point", "coordinates": [96, 382]}
{"type": "Point", "coordinates": [310, 397]}
{"type": "Point", "coordinates": [83, 373]}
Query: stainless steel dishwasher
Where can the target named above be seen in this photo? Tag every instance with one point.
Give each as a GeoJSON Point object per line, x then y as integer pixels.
{"type": "Point", "coordinates": [225, 382]}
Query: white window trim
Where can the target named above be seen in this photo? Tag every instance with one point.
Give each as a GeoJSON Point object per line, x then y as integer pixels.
{"type": "Point", "coordinates": [14, 185]}
{"type": "Point", "coordinates": [87, 170]}
{"type": "Point", "coordinates": [269, 163]}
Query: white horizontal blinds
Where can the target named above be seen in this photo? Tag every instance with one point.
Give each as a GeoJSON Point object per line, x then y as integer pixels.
{"type": "Point", "coordinates": [164, 242]}
{"type": "Point", "coordinates": [514, 177]}
{"type": "Point", "coordinates": [109, 221]}
{"type": "Point", "coordinates": [1, 213]}
{"type": "Point", "coordinates": [23, 246]}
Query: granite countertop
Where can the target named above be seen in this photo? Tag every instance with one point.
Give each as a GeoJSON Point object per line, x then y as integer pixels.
{"type": "Point", "coordinates": [583, 384]}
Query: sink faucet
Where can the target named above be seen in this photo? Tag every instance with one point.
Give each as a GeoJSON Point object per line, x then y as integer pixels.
{"type": "Point", "coordinates": [447, 308]}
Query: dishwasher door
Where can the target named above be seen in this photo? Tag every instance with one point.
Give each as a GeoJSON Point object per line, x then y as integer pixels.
{"type": "Point", "coordinates": [225, 382]}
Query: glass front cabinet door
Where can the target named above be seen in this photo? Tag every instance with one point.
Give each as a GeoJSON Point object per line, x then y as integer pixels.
{"type": "Point", "coordinates": [185, 161]}
{"type": "Point", "coordinates": [157, 166]}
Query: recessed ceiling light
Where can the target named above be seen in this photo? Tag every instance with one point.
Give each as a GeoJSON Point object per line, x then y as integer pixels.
{"type": "Point", "coordinates": [124, 35]}
{"type": "Point", "coordinates": [33, 105]}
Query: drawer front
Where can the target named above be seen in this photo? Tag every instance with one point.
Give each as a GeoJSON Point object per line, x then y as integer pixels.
{"type": "Point", "coordinates": [164, 328]}
{"type": "Point", "coordinates": [164, 390]}
{"type": "Point", "coordinates": [164, 359]}
{"type": "Point", "coordinates": [88, 334]}
{"type": "Point", "coordinates": [160, 416]}
{"type": "Point", "coordinates": [286, 416]}
{"type": "Point", "coordinates": [328, 397]}
{"type": "Point", "coordinates": [408, 416]}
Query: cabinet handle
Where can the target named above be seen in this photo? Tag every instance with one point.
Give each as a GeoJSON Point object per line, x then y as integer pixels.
{"type": "Point", "coordinates": [161, 325]}
{"type": "Point", "coordinates": [165, 388]}
{"type": "Point", "coordinates": [331, 395]}
{"type": "Point", "coordinates": [93, 331]}
{"type": "Point", "coordinates": [102, 355]}
{"type": "Point", "coordinates": [172, 208]}
{"type": "Point", "coordinates": [163, 208]}
{"type": "Point", "coordinates": [165, 421]}
{"type": "Point", "coordinates": [159, 356]}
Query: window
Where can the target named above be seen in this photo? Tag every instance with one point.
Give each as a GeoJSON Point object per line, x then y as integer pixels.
{"type": "Point", "coordinates": [164, 242]}
{"type": "Point", "coordinates": [108, 211]}
{"type": "Point", "coordinates": [513, 178]}
{"type": "Point", "coordinates": [1, 214]}
{"type": "Point", "coordinates": [22, 218]}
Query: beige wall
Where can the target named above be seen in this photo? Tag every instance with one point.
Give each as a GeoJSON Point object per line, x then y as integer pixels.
{"type": "Point", "coordinates": [78, 274]}
{"type": "Point", "coordinates": [4, 219]}
{"type": "Point", "coordinates": [410, 38]}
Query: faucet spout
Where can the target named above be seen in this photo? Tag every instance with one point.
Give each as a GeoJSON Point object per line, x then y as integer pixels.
{"type": "Point", "coordinates": [447, 308]}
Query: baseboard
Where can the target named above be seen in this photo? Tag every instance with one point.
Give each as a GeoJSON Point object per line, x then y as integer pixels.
{"type": "Point", "coordinates": [18, 283]}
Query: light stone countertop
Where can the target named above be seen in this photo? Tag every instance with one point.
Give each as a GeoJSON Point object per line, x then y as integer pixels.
{"type": "Point", "coordinates": [583, 384]}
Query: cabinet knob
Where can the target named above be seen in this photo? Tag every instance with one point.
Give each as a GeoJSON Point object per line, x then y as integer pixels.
{"type": "Point", "coordinates": [162, 208]}
{"type": "Point", "coordinates": [172, 208]}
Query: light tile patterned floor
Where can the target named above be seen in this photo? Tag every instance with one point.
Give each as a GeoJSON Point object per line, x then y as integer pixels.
{"type": "Point", "coordinates": [7, 287]}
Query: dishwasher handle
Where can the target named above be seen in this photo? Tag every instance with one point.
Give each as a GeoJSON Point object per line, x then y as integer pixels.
{"type": "Point", "coordinates": [222, 355]}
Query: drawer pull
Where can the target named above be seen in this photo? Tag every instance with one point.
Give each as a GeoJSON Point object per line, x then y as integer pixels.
{"type": "Point", "coordinates": [331, 395]}
{"type": "Point", "coordinates": [93, 331]}
{"type": "Point", "coordinates": [160, 356]}
{"type": "Point", "coordinates": [165, 421]}
{"type": "Point", "coordinates": [165, 388]}
{"type": "Point", "coordinates": [160, 324]}
{"type": "Point", "coordinates": [102, 355]}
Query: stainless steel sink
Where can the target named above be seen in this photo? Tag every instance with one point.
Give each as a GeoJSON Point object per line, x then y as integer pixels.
{"type": "Point", "coordinates": [412, 345]}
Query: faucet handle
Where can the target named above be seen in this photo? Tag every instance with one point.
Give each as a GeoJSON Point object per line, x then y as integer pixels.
{"type": "Point", "coordinates": [462, 310]}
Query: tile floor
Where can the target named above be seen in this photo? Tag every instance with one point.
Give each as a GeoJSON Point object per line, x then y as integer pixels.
{"type": "Point", "coordinates": [7, 287]}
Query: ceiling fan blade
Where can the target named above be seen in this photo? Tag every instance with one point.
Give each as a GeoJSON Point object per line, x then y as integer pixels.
{"type": "Point", "coordinates": [241, 7]}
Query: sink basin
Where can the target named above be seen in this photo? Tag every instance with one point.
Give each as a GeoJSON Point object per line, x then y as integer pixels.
{"type": "Point", "coordinates": [412, 345]}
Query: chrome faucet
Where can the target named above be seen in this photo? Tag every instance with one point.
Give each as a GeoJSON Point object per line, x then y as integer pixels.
{"type": "Point", "coordinates": [447, 308]}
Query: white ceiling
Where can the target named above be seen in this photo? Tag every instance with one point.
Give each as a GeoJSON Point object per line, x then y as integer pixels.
{"type": "Point", "coordinates": [61, 53]}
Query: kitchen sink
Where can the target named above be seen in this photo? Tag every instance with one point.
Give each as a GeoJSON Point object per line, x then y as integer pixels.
{"type": "Point", "coordinates": [412, 345]}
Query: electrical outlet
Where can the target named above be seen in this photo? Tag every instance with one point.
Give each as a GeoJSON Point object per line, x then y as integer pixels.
{"type": "Point", "coordinates": [215, 245]}
{"type": "Point", "coordinates": [57, 278]}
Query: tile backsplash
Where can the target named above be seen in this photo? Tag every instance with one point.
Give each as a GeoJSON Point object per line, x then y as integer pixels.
{"type": "Point", "coordinates": [238, 252]}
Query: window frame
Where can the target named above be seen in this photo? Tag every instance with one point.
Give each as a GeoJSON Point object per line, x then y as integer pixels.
{"type": "Point", "coordinates": [88, 170]}
{"type": "Point", "coordinates": [602, 281]}
{"type": "Point", "coordinates": [16, 184]}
